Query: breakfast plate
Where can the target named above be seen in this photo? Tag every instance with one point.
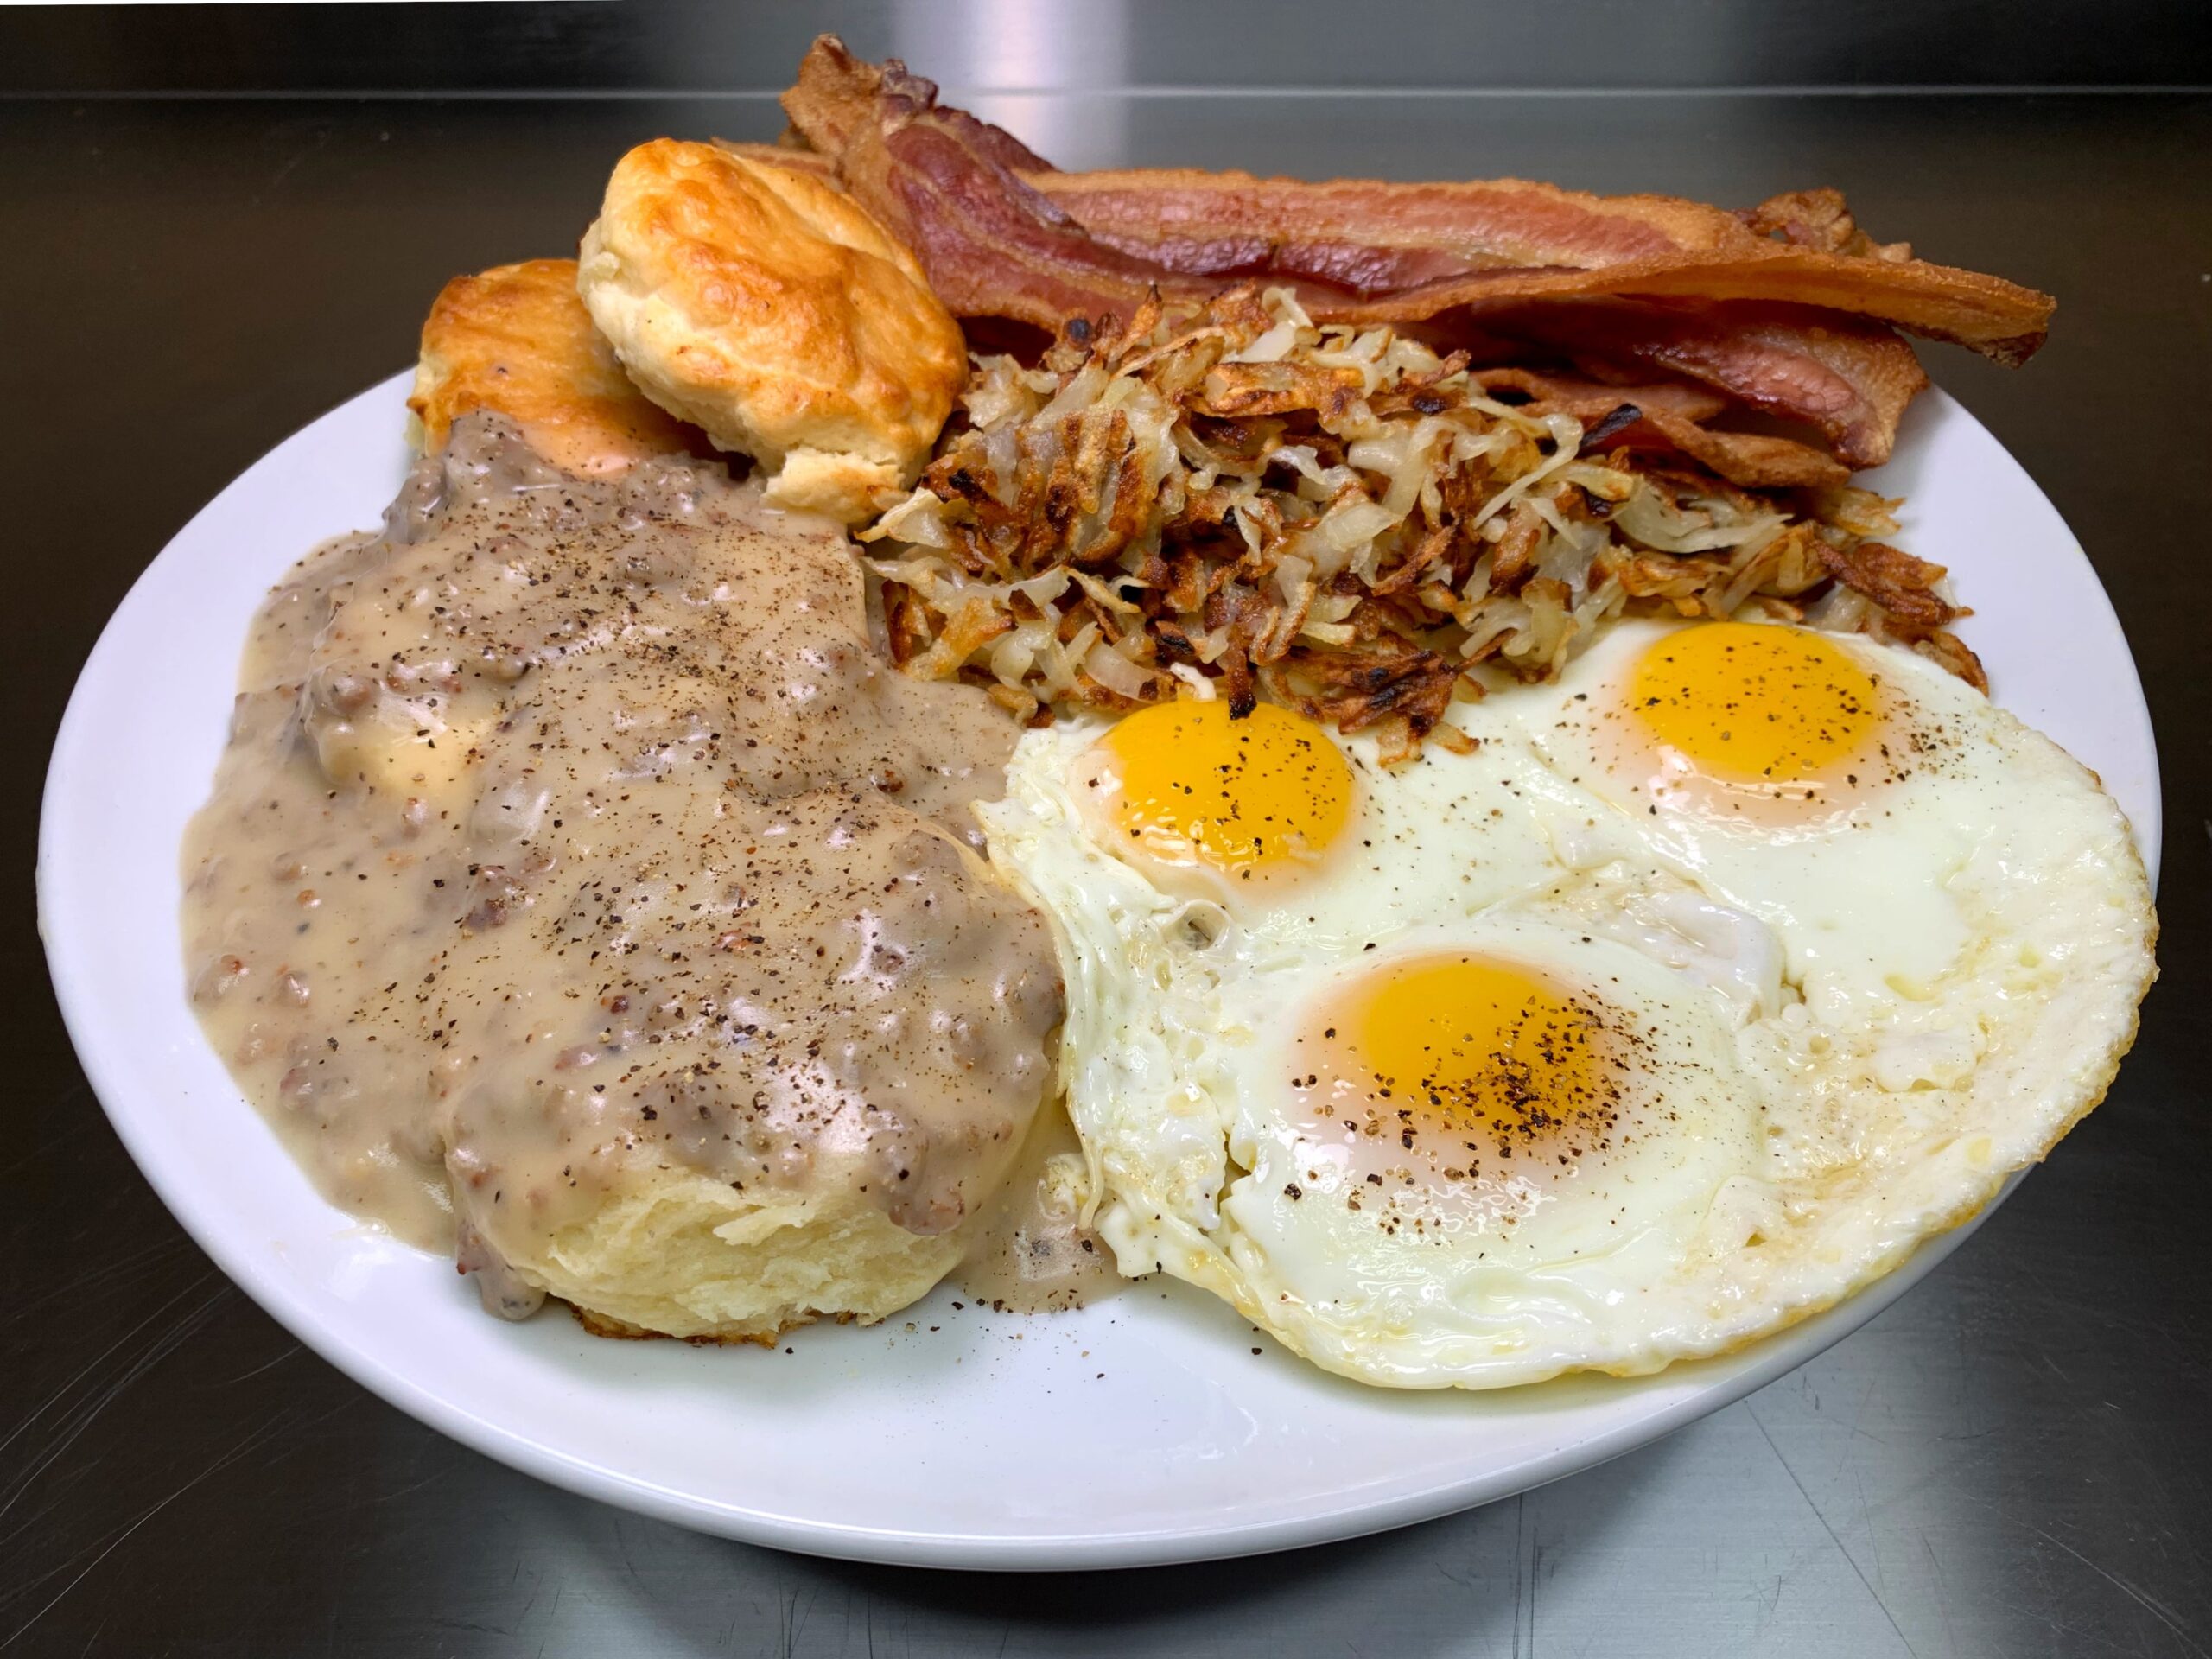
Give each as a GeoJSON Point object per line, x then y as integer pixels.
{"type": "Point", "coordinates": [1153, 1425]}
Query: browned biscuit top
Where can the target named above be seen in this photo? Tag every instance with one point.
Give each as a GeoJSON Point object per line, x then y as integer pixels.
{"type": "Point", "coordinates": [517, 339]}
{"type": "Point", "coordinates": [764, 304]}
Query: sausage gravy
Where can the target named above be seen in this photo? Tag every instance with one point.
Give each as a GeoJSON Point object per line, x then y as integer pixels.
{"type": "Point", "coordinates": [571, 830]}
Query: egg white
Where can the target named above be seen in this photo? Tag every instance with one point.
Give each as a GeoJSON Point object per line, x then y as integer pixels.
{"type": "Point", "coordinates": [1863, 1021]}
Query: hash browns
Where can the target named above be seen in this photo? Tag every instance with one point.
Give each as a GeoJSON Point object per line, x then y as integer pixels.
{"type": "Point", "coordinates": [1225, 499]}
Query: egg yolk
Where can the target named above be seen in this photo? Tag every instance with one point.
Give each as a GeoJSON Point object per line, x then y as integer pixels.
{"type": "Point", "coordinates": [1487, 1066]}
{"type": "Point", "coordinates": [1769, 710]}
{"type": "Point", "coordinates": [1186, 783]}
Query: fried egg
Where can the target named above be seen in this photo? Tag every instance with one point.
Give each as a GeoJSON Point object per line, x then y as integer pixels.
{"type": "Point", "coordinates": [1831, 787]}
{"type": "Point", "coordinates": [1719, 972]}
{"type": "Point", "coordinates": [1302, 837]}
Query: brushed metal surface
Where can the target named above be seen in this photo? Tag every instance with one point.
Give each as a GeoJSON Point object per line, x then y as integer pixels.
{"type": "Point", "coordinates": [671, 46]}
{"type": "Point", "coordinates": [2014, 1460]}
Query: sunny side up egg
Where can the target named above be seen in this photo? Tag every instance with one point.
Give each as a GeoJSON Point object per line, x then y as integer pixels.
{"type": "Point", "coordinates": [1722, 971]}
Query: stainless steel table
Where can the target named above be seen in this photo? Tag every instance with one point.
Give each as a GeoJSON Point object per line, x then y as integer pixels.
{"type": "Point", "coordinates": [2014, 1460]}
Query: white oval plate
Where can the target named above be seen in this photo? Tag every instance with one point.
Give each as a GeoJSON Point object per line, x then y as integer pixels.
{"type": "Point", "coordinates": [1143, 1429]}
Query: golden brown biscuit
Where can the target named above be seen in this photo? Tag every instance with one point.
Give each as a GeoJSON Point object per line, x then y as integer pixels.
{"type": "Point", "coordinates": [517, 339]}
{"type": "Point", "coordinates": [763, 303]}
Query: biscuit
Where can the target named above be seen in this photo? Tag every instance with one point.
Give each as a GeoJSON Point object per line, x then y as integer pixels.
{"type": "Point", "coordinates": [763, 303]}
{"type": "Point", "coordinates": [517, 339]}
{"type": "Point", "coordinates": [676, 1253]}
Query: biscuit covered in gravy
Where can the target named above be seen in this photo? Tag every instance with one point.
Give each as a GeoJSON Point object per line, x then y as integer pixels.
{"type": "Point", "coordinates": [764, 304]}
{"type": "Point", "coordinates": [581, 893]}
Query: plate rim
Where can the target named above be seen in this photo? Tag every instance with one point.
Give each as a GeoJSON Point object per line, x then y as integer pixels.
{"type": "Point", "coordinates": [217, 1234]}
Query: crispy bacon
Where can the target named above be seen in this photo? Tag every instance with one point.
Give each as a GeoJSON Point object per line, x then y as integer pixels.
{"type": "Point", "coordinates": [1848, 379]}
{"type": "Point", "coordinates": [1666, 416]}
{"type": "Point", "coordinates": [937, 179]}
{"type": "Point", "coordinates": [1365, 236]}
{"type": "Point", "coordinates": [1590, 401]}
{"type": "Point", "coordinates": [1783, 308]}
{"type": "Point", "coordinates": [1409, 252]}
{"type": "Point", "coordinates": [1754, 461]}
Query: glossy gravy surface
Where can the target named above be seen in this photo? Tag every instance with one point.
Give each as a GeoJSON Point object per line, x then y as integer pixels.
{"type": "Point", "coordinates": [570, 829]}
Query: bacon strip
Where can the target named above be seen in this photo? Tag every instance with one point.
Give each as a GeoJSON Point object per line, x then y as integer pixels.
{"type": "Point", "coordinates": [1665, 418]}
{"type": "Point", "coordinates": [1591, 401]}
{"type": "Point", "coordinates": [1407, 251]}
{"type": "Point", "coordinates": [1849, 379]}
{"type": "Point", "coordinates": [1757, 309]}
{"type": "Point", "coordinates": [992, 245]}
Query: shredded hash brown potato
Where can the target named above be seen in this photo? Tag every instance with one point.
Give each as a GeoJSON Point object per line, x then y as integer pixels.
{"type": "Point", "coordinates": [1228, 500]}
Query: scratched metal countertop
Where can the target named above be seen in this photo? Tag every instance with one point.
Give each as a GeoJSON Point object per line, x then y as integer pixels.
{"type": "Point", "coordinates": [2014, 1460]}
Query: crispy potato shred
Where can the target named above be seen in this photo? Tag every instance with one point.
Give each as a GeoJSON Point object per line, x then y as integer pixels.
{"type": "Point", "coordinates": [1229, 500]}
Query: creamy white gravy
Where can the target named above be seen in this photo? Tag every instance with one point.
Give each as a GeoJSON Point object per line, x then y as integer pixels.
{"type": "Point", "coordinates": [570, 826]}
